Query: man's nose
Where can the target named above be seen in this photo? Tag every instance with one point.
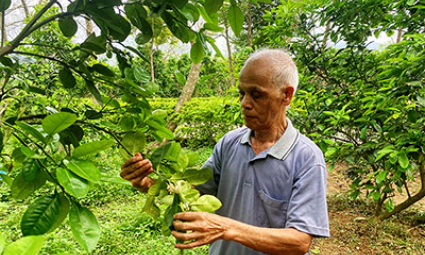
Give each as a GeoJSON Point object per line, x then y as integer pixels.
{"type": "Point", "coordinates": [246, 102]}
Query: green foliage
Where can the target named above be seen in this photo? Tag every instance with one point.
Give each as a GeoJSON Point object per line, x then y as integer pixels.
{"type": "Point", "coordinates": [362, 106]}
{"type": "Point", "coordinates": [173, 189]}
{"type": "Point", "coordinates": [62, 105]}
{"type": "Point", "coordinates": [202, 121]}
{"type": "Point", "coordinates": [29, 245]}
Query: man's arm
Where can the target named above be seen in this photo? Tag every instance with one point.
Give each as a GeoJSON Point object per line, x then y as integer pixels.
{"type": "Point", "coordinates": [205, 228]}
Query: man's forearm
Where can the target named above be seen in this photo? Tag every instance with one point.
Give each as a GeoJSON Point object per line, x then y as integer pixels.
{"type": "Point", "coordinates": [268, 240]}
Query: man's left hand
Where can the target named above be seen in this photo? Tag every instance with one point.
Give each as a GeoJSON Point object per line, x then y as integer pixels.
{"type": "Point", "coordinates": [201, 228]}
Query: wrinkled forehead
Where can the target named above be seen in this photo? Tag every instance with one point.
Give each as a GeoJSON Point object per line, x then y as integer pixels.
{"type": "Point", "coordinates": [257, 72]}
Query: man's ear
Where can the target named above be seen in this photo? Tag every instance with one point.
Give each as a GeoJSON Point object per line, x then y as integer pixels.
{"type": "Point", "coordinates": [288, 93]}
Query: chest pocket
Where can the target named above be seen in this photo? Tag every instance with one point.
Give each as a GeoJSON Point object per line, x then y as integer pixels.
{"type": "Point", "coordinates": [276, 210]}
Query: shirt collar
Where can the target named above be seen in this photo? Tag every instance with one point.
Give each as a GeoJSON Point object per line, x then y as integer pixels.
{"type": "Point", "coordinates": [283, 146]}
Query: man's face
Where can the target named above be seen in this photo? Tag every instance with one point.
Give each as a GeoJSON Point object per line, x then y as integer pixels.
{"type": "Point", "coordinates": [263, 105]}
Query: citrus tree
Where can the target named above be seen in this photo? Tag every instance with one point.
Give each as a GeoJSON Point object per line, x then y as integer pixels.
{"type": "Point", "coordinates": [59, 103]}
{"type": "Point", "coordinates": [361, 105]}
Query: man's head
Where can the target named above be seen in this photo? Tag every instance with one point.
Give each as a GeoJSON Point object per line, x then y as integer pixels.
{"type": "Point", "coordinates": [267, 84]}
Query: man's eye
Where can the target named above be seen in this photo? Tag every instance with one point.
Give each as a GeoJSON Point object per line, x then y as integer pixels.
{"type": "Point", "coordinates": [256, 96]}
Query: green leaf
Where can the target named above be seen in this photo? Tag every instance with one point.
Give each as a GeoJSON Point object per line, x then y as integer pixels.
{"type": "Point", "coordinates": [30, 169]}
{"type": "Point", "coordinates": [151, 208]}
{"type": "Point", "coordinates": [159, 154]}
{"type": "Point", "coordinates": [22, 188]}
{"type": "Point", "coordinates": [376, 195]}
{"type": "Point", "coordinates": [93, 115]}
{"type": "Point", "coordinates": [412, 116]}
{"type": "Point", "coordinates": [84, 169]}
{"type": "Point", "coordinates": [180, 3]}
{"type": "Point", "coordinates": [330, 151]}
{"type": "Point", "coordinates": [63, 212]}
{"type": "Point", "coordinates": [92, 148]}
{"type": "Point", "coordinates": [7, 179]}
{"type": "Point", "coordinates": [41, 215]}
{"type": "Point", "coordinates": [73, 184]}
{"type": "Point", "coordinates": [94, 91]}
{"type": "Point", "coordinates": [197, 52]}
{"type": "Point", "coordinates": [173, 209]}
{"type": "Point", "coordinates": [116, 180]}
{"type": "Point", "coordinates": [236, 19]}
{"type": "Point", "coordinates": [2, 242]}
{"type": "Point", "coordinates": [180, 78]}
{"type": "Point", "coordinates": [68, 26]}
{"type": "Point", "coordinates": [196, 177]}
{"type": "Point", "coordinates": [160, 129]}
{"type": "Point", "coordinates": [141, 75]}
{"type": "Point", "coordinates": [31, 130]}
{"type": "Point", "coordinates": [193, 159]}
{"type": "Point", "coordinates": [134, 142]}
{"type": "Point", "coordinates": [389, 205]}
{"type": "Point", "coordinates": [384, 152]}
{"type": "Point", "coordinates": [154, 189]}
{"type": "Point", "coordinates": [103, 70]}
{"type": "Point", "coordinates": [67, 78]}
{"type": "Point", "coordinates": [127, 123]}
{"type": "Point", "coordinates": [381, 176]}
{"type": "Point", "coordinates": [190, 12]}
{"type": "Point", "coordinates": [29, 245]}
{"type": "Point", "coordinates": [403, 160]}
{"type": "Point", "coordinates": [4, 4]}
{"type": "Point", "coordinates": [174, 152]}
{"type": "Point", "coordinates": [206, 203]}
{"type": "Point", "coordinates": [57, 122]}
{"type": "Point", "coordinates": [212, 6]}
{"type": "Point", "coordinates": [84, 227]}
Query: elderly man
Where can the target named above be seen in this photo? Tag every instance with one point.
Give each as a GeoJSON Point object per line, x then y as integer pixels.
{"type": "Point", "coordinates": [270, 178]}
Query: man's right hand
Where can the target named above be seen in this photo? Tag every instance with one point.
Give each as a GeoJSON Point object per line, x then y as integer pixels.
{"type": "Point", "coordinates": [136, 170]}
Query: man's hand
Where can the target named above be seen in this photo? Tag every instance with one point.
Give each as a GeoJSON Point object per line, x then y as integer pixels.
{"type": "Point", "coordinates": [136, 170]}
{"type": "Point", "coordinates": [204, 228]}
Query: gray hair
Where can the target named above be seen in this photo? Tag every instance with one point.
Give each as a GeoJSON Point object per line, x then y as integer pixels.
{"type": "Point", "coordinates": [284, 71]}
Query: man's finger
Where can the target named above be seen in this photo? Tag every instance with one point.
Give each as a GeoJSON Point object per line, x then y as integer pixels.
{"type": "Point", "coordinates": [131, 161]}
{"type": "Point", "coordinates": [186, 236]}
{"type": "Point", "coordinates": [132, 168]}
{"type": "Point", "coordinates": [143, 171]}
{"type": "Point", "coordinates": [185, 226]}
{"type": "Point", "coordinates": [187, 216]}
{"type": "Point", "coordinates": [190, 245]}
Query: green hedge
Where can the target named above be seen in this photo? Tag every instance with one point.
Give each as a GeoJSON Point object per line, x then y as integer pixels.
{"type": "Point", "coordinates": [203, 120]}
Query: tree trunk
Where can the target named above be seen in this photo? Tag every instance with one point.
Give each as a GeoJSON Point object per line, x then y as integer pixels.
{"type": "Point", "coordinates": [326, 34]}
{"type": "Point", "coordinates": [399, 34]}
{"type": "Point", "coordinates": [89, 26]}
{"type": "Point", "coordinates": [187, 92]}
{"type": "Point", "coordinates": [151, 52]}
{"type": "Point", "coordinates": [151, 62]}
{"type": "Point", "coordinates": [229, 55]}
{"type": "Point", "coordinates": [250, 24]}
{"type": "Point", "coordinates": [24, 4]}
{"type": "Point", "coordinates": [3, 29]}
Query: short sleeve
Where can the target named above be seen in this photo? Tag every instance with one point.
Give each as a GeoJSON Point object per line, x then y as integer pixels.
{"type": "Point", "coordinates": [307, 210]}
{"type": "Point", "coordinates": [214, 164]}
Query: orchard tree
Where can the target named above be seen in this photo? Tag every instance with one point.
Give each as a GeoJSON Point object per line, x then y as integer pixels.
{"type": "Point", "coordinates": [46, 120]}
{"type": "Point", "coordinates": [362, 106]}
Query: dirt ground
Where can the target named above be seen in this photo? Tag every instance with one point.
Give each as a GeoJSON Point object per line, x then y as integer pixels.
{"type": "Point", "coordinates": [355, 231]}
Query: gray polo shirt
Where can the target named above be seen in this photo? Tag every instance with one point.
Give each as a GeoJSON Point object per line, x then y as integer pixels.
{"type": "Point", "coordinates": [282, 187]}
